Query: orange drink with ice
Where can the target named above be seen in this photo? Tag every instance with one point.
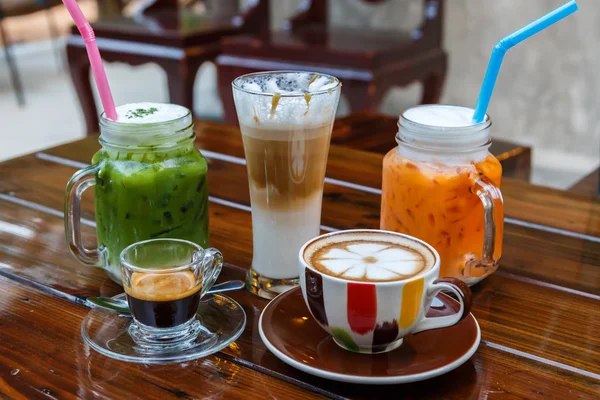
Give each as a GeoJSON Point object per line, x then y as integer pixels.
{"type": "Point", "coordinates": [441, 185]}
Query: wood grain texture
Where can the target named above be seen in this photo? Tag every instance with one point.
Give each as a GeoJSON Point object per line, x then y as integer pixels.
{"type": "Point", "coordinates": [531, 328]}
{"type": "Point", "coordinates": [538, 313]}
{"type": "Point", "coordinates": [524, 202]}
{"type": "Point", "coordinates": [568, 261]}
{"type": "Point", "coordinates": [529, 335]}
{"type": "Point", "coordinates": [38, 362]}
{"type": "Point", "coordinates": [227, 223]}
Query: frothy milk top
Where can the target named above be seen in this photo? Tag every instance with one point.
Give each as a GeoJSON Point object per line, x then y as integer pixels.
{"type": "Point", "coordinates": [441, 116]}
{"type": "Point", "coordinates": [286, 83]}
{"type": "Point", "coordinates": [148, 113]}
{"type": "Point", "coordinates": [294, 99]}
{"type": "Point", "coordinates": [448, 132]}
{"type": "Point", "coordinates": [369, 257]}
{"type": "Point", "coordinates": [147, 124]}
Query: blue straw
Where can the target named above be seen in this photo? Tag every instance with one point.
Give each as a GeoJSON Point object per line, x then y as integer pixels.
{"type": "Point", "coordinates": [510, 41]}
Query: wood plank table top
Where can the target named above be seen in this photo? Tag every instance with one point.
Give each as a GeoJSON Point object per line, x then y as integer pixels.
{"type": "Point", "coordinates": [539, 314]}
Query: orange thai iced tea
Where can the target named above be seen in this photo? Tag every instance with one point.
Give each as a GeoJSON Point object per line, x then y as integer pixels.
{"type": "Point", "coordinates": [441, 185]}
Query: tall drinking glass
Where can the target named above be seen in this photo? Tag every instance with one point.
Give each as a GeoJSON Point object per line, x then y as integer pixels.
{"type": "Point", "coordinates": [286, 119]}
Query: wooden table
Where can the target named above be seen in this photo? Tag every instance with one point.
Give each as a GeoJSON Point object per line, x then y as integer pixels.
{"type": "Point", "coordinates": [539, 314]}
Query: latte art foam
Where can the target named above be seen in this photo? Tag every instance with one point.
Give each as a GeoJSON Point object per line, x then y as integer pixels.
{"type": "Point", "coordinates": [370, 259]}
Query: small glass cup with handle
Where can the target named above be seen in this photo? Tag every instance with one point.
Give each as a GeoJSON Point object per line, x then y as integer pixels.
{"type": "Point", "coordinates": [172, 316]}
{"type": "Point", "coordinates": [164, 280]}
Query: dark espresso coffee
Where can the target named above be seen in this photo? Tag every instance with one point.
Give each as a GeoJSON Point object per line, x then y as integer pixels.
{"type": "Point", "coordinates": [163, 300]}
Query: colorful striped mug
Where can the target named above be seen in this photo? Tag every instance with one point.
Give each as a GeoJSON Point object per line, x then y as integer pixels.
{"type": "Point", "coordinates": [374, 316]}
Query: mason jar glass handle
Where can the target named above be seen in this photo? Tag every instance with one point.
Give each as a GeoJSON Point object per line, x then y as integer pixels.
{"type": "Point", "coordinates": [490, 197]}
{"type": "Point", "coordinates": [78, 183]}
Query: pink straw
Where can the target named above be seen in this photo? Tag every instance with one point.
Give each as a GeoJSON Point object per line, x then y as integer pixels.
{"type": "Point", "coordinates": [94, 55]}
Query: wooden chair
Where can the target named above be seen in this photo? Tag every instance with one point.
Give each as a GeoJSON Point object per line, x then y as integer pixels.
{"type": "Point", "coordinates": [368, 62]}
{"type": "Point", "coordinates": [178, 40]}
{"type": "Point", "coordinates": [589, 185]}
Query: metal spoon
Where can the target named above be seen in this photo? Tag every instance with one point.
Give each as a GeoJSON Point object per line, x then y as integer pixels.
{"type": "Point", "coordinates": [122, 307]}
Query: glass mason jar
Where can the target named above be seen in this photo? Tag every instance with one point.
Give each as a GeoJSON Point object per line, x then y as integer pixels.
{"type": "Point", "coordinates": [150, 182]}
{"type": "Point", "coordinates": [441, 185]}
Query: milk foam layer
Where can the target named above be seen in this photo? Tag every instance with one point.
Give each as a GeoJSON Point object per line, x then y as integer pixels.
{"type": "Point", "coordinates": [287, 83]}
{"type": "Point", "coordinates": [148, 113]}
{"type": "Point", "coordinates": [296, 99]}
{"type": "Point", "coordinates": [369, 257]}
{"type": "Point", "coordinates": [443, 134]}
{"type": "Point", "coordinates": [441, 116]}
{"type": "Point", "coordinates": [147, 124]}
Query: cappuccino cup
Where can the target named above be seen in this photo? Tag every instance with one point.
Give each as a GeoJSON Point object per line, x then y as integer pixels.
{"type": "Point", "coordinates": [370, 288]}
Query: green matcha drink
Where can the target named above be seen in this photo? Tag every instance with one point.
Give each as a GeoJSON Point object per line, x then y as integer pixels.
{"type": "Point", "coordinates": [150, 182]}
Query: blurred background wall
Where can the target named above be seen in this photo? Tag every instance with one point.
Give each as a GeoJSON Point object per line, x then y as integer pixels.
{"type": "Point", "coordinates": [545, 96]}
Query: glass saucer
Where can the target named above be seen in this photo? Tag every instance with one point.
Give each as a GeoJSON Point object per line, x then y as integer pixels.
{"type": "Point", "coordinates": [221, 321]}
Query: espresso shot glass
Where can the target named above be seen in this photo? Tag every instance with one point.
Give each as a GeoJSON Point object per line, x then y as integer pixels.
{"type": "Point", "coordinates": [164, 280]}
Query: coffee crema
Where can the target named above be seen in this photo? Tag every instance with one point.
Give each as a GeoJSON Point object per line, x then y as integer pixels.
{"type": "Point", "coordinates": [369, 258]}
{"type": "Point", "coordinates": [163, 300]}
{"type": "Point", "coordinates": [152, 286]}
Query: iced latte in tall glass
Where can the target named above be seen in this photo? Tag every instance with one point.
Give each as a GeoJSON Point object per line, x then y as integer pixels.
{"type": "Point", "coordinates": [286, 120]}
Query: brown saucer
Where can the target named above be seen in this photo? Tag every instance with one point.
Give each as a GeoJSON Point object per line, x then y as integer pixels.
{"type": "Point", "coordinates": [288, 329]}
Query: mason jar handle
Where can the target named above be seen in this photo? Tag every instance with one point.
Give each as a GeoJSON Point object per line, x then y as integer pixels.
{"type": "Point", "coordinates": [212, 263]}
{"type": "Point", "coordinates": [463, 294]}
{"type": "Point", "coordinates": [489, 194]}
{"type": "Point", "coordinates": [78, 183]}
